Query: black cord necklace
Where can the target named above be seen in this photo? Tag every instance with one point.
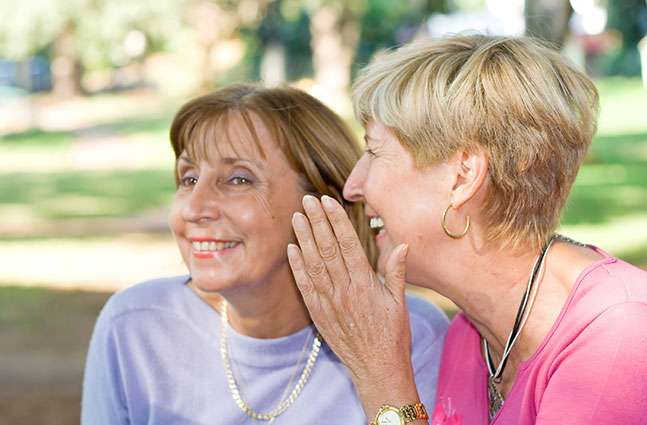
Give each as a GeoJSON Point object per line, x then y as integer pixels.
{"type": "Point", "coordinates": [495, 399]}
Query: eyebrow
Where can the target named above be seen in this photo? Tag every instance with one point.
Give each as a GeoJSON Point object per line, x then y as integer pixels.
{"type": "Point", "coordinates": [185, 158]}
{"type": "Point", "coordinates": [228, 160]}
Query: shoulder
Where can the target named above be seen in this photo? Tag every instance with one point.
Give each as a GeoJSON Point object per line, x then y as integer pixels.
{"type": "Point", "coordinates": [609, 285]}
{"type": "Point", "coordinates": [426, 318]}
{"type": "Point", "coordinates": [613, 279]}
{"type": "Point", "coordinates": [160, 310]}
{"type": "Point", "coordinates": [164, 294]}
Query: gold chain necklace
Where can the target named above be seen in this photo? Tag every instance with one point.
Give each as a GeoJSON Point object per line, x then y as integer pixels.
{"type": "Point", "coordinates": [233, 387]}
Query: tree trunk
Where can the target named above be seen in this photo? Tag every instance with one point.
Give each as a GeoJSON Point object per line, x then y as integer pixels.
{"type": "Point", "coordinates": [335, 34]}
{"type": "Point", "coordinates": [273, 63]}
{"type": "Point", "coordinates": [66, 69]}
{"type": "Point", "coordinates": [548, 19]}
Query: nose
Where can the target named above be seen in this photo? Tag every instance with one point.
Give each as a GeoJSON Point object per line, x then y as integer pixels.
{"type": "Point", "coordinates": [354, 187]}
{"type": "Point", "coordinates": [201, 203]}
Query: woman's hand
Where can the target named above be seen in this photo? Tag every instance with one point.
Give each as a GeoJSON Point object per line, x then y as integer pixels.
{"type": "Point", "coordinates": [365, 323]}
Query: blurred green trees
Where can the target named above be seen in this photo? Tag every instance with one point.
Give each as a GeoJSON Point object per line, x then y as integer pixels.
{"type": "Point", "coordinates": [276, 40]}
{"type": "Point", "coordinates": [629, 19]}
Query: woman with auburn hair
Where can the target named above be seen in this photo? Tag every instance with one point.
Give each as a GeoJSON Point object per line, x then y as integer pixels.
{"type": "Point", "coordinates": [472, 145]}
{"type": "Point", "coordinates": [232, 342]}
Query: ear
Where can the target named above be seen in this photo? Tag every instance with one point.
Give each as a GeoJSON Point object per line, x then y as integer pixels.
{"type": "Point", "coordinates": [471, 167]}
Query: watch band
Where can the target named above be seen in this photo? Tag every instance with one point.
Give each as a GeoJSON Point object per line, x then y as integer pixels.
{"type": "Point", "coordinates": [414, 411]}
{"type": "Point", "coordinates": [406, 413]}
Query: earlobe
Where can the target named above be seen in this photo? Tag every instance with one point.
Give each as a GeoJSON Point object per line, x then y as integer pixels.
{"type": "Point", "coordinates": [471, 172]}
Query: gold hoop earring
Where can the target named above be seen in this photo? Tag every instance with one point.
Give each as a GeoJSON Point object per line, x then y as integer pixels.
{"type": "Point", "coordinates": [450, 234]}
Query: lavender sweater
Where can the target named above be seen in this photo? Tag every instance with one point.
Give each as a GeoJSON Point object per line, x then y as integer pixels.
{"type": "Point", "coordinates": [154, 358]}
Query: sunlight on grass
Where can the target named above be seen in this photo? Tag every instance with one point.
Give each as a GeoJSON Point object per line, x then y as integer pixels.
{"type": "Point", "coordinates": [621, 100]}
{"type": "Point", "coordinates": [15, 212]}
{"type": "Point", "coordinates": [103, 165]}
{"type": "Point", "coordinates": [83, 193]}
{"type": "Point", "coordinates": [80, 206]}
{"type": "Point", "coordinates": [101, 263]}
{"type": "Point", "coordinates": [612, 174]}
{"type": "Point", "coordinates": [622, 236]}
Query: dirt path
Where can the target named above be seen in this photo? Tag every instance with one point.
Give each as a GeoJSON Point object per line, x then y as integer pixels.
{"type": "Point", "coordinates": [44, 336]}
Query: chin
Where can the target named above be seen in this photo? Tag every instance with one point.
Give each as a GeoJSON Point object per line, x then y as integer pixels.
{"type": "Point", "coordinates": [210, 284]}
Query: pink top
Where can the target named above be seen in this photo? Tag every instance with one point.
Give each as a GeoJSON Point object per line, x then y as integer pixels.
{"type": "Point", "coordinates": [590, 369]}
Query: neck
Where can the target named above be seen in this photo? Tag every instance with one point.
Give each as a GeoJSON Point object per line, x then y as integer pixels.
{"type": "Point", "coordinates": [495, 293]}
{"type": "Point", "coordinates": [265, 311]}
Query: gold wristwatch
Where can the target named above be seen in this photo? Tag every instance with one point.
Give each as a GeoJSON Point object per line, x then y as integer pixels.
{"type": "Point", "coordinates": [391, 415]}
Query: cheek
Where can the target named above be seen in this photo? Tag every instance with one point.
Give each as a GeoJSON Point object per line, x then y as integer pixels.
{"type": "Point", "coordinates": [176, 221]}
{"type": "Point", "coordinates": [250, 218]}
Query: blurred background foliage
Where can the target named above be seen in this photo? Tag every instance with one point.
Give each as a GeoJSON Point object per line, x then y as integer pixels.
{"type": "Point", "coordinates": [88, 89]}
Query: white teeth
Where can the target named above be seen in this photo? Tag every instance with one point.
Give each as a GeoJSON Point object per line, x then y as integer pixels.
{"type": "Point", "coordinates": [376, 222]}
{"type": "Point", "coordinates": [212, 246]}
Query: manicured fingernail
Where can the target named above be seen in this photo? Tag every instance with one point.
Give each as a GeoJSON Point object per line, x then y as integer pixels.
{"type": "Point", "coordinates": [299, 221]}
{"type": "Point", "coordinates": [402, 256]}
{"type": "Point", "coordinates": [327, 203]}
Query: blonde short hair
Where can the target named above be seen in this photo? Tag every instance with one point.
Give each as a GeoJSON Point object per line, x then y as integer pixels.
{"type": "Point", "coordinates": [318, 144]}
{"type": "Point", "coordinates": [530, 108]}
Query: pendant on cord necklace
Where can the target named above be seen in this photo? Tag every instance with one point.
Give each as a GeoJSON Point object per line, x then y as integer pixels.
{"type": "Point", "coordinates": [495, 399]}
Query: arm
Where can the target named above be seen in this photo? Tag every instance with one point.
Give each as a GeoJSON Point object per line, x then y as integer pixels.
{"type": "Point", "coordinates": [365, 323]}
{"type": "Point", "coordinates": [102, 390]}
{"type": "Point", "coordinates": [429, 327]}
{"type": "Point", "coordinates": [601, 377]}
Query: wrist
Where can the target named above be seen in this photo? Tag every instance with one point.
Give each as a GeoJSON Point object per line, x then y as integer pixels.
{"type": "Point", "coordinates": [406, 414]}
{"type": "Point", "coordinates": [393, 389]}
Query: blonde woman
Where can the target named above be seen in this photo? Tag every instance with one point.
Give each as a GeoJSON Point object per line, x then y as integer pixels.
{"type": "Point", "coordinates": [472, 145]}
{"type": "Point", "coordinates": [232, 342]}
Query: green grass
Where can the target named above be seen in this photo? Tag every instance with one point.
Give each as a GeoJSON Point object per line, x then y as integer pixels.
{"type": "Point", "coordinates": [608, 202]}
{"type": "Point", "coordinates": [83, 194]}
{"type": "Point", "coordinates": [606, 191]}
{"type": "Point", "coordinates": [623, 102]}
{"type": "Point", "coordinates": [61, 318]}
{"type": "Point", "coordinates": [36, 137]}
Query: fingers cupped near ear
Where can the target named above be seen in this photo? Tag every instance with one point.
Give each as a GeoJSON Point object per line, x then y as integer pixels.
{"type": "Point", "coordinates": [350, 247]}
{"type": "Point", "coordinates": [313, 265]}
{"type": "Point", "coordinates": [327, 242]}
{"type": "Point", "coordinates": [302, 278]}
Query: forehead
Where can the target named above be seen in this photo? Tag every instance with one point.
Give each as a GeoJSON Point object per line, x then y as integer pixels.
{"type": "Point", "coordinates": [377, 132]}
{"type": "Point", "coordinates": [232, 134]}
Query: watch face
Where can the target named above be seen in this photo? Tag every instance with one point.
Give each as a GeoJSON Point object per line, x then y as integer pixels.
{"type": "Point", "coordinates": [389, 417]}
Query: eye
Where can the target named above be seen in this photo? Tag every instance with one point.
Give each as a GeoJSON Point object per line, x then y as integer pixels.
{"type": "Point", "coordinates": [188, 178]}
{"type": "Point", "coordinates": [240, 180]}
{"type": "Point", "coordinates": [369, 151]}
{"type": "Point", "coordinates": [188, 181]}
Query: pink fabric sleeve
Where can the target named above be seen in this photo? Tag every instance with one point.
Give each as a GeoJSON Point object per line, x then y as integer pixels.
{"type": "Point", "coordinates": [601, 377]}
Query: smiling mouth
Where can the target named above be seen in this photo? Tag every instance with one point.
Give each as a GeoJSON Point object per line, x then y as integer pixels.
{"type": "Point", "coordinates": [209, 246]}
